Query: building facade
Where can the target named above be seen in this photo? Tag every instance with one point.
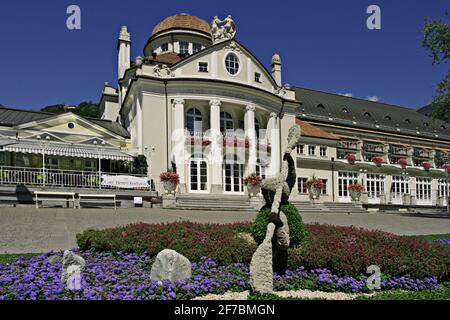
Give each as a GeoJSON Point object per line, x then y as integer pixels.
{"type": "Point", "coordinates": [200, 103]}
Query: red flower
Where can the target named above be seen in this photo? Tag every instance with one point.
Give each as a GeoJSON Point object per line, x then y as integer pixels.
{"type": "Point", "coordinates": [351, 158]}
{"type": "Point", "coordinates": [355, 187]}
{"type": "Point", "coordinates": [314, 183]}
{"type": "Point", "coordinates": [377, 160]}
{"type": "Point", "coordinates": [124, 234]}
{"type": "Point", "coordinates": [170, 176]}
{"type": "Point", "coordinates": [253, 180]}
{"type": "Point", "coordinates": [403, 162]}
{"type": "Point", "coordinates": [427, 165]}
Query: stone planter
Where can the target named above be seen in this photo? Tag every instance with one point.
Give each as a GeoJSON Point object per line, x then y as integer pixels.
{"type": "Point", "coordinates": [253, 191]}
{"type": "Point", "coordinates": [314, 194]}
{"type": "Point", "coordinates": [170, 187]}
{"type": "Point", "coordinates": [355, 195]}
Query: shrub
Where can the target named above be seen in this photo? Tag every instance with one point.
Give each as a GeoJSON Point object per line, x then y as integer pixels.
{"type": "Point", "coordinates": [350, 250]}
{"type": "Point", "coordinates": [193, 240]}
{"type": "Point", "coordinates": [296, 228]}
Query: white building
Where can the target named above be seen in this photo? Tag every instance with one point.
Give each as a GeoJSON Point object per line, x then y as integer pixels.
{"type": "Point", "coordinates": [203, 104]}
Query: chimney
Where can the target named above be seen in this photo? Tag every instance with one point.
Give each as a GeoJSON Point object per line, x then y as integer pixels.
{"type": "Point", "coordinates": [276, 68]}
{"type": "Point", "coordinates": [124, 48]}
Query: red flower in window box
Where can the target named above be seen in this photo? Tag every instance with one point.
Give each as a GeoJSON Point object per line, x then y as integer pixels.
{"type": "Point", "coordinates": [426, 165]}
{"type": "Point", "coordinates": [378, 161]}
{"type": "Point", "coordinates": [351, 158]}
{"type": "Point", "coordinates": [357, 187]}
{"type": "Point", "coordinates": [253, 180]}
{"type": "Point", "coordinates": [170, 177]}
{"type": "Point", "coordinates": [403, 162]}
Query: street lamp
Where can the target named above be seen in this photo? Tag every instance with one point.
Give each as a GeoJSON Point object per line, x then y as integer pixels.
{"type": "Point", "coordinates": [43, 144]}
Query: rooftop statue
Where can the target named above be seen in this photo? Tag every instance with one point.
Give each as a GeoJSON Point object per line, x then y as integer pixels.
{"type": "Point", "coordinates": [222, 30]}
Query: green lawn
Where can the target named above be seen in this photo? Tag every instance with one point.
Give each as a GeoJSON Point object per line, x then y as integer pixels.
{"type": "Point", "coordinates": [10, 258]}
{"type": "Point", "coordinates": [430, 237]}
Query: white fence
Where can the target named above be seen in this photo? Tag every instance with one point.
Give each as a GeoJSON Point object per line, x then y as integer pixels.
{"type": "Point", "coordinates": [55, 178]}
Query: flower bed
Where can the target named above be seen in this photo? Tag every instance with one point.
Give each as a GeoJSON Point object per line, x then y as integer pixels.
{"type": "Point", "coordinates": [445, 241]}
{"type": "Point", "coordinates": [343, 250]}
{"type": "Point", "coordinates": [127, 277]}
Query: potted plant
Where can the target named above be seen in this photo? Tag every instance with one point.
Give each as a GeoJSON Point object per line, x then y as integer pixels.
{"type": "Point", "coordinates": [253, 183]}
{"type": "Point", "coordinates": [170, 180]}
{"type": "Point", "coordinates": [355, 191]}
{"type": "Point", "coordinates": [403, 162]}
{"type": "Point", "coordinates": [314, 187]}
{"type": "Point", "coordinates": [378, 161]}
{"type": "Point", "coordinates": [351, 158]}
{"type": "Point", "coordinates": [427, 165]}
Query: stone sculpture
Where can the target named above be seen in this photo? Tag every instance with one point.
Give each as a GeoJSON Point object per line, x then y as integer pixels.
{"type": "Point", "coordinates": [223, 30]}
{"type": "Point", "coordinates": [276, 192]}
{"type": "Point", "coordinates": [71, 264]}
{"type": "Point", "coordinates": [170, 265]}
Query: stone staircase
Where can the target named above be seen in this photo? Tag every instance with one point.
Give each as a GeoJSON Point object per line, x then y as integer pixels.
{"type": "Point", "coordinates": [306, 206]}
{"type": "Point", "coordinates": [216, 202]}
{"type": "Point", "coordinates": [342, 207]}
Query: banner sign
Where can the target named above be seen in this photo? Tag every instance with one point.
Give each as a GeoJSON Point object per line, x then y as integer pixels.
{"type": "Point", "coordinates": [125, 182]}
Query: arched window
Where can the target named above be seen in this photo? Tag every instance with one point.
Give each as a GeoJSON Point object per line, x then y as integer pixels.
{"type": "Point", "coordinates": [408, 121]}
{"type": "Point", "coordinates": [367, 114]}
{"type": "Point", "coordinates": [194, 121]}
{"type": "Point", "coordinates": [443, 127]}
{"type": "Point", "coordinates": [226, 121]}
{"type": "Point", "coordinates": [344, 110]}
{"type": "Point", "coordinates": [388, 118]}
{"type": "Point", "coordinates": [320, 106]}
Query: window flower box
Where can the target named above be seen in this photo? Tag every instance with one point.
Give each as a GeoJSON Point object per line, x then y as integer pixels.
{"type": "Point", "coordinates": [426, 165]}
{"type": "Point", "coordinates": [378, 161]}
{"type": "Point", "coordinates": [351, 158]}
{"type": "Point", "coordinates": [403, 162]}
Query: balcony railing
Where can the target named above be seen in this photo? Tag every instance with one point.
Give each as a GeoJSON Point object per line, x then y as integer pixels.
{"type": "Point", "coordinates": [421, 154]}
{"type": "Point", "coordinates": [398, 151]}
{"type": "Point", "coordinates": [55, 178]}
{"type": "Point", "coordinates": [375, 148]}
{"type": "Point", "coordinates": [351, 145]}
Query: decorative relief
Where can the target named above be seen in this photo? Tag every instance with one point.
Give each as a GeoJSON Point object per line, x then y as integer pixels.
{"type": "Point", "coordinates": [250, 108]}
{"type": "Point", "coordinates": [215, 103]}
{"type": "Point", "coordinates": [163, 71]}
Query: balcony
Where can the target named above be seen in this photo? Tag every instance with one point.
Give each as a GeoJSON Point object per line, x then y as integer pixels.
{"type": "Point", "coordinates": [349, 145]}
{"type": "Point", "coordinates": [422, 154]}
{"type": "Point", "coordinates": [373, 148]}
{"type": "Point", "coordinates": [398, 151]}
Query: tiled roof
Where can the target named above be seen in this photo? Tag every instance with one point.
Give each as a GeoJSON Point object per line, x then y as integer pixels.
{"type": "Point", "coordinates": [14, 117]}
{"type": "Point", "coordinates": [166, 58]}
{"type": "Point", "coordinates": [182, 21]}
{"type": "Point", "coordinates": [308, 130]}
{"type": "Point", "coordinates": [342, 110]}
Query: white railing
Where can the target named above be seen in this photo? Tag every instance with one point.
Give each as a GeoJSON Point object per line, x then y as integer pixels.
{"type": "Point", "coordinates": [55, 178]}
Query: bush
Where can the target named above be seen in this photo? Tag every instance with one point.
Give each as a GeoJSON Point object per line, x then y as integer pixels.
{"type": "Point", "coordinates": [193, 240]}
{"type": "Point", "coordinates": [296, 228]}
{"type": "Point", "coordinates": [349, 251]}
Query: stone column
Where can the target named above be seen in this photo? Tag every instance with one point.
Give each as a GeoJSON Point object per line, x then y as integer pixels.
{"type": "Point", "coordinates": [178, 139]}
{"type": "Point", "coordinates": [216, 149]}
{"type": "Point", "coordinates": [359, 149]}
{"type": "Point", "coordinates": [386, 153]}
{"type": "Point", "coordinates": [387, 188]}
{"type": "Point", "coordinates": [409, 156]}
{"type": "Point", "coordinates": [250, 134]}
{"type": "Point", "coordinates": [273, 134]}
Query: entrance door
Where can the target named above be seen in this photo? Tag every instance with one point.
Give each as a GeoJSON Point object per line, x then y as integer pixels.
{"type": "Point", "coordinates": [345, 179]}
{"type": "Point", "coordinates": [375, 187]}
{"type": "Point", "coordinates": [233, 178]}
{"type": "Point", "coordinates": [400, 186]}
{"type": "Point", "coordinates": [423, 191]}
{"type": "Point", "coordinates": [198, 174]}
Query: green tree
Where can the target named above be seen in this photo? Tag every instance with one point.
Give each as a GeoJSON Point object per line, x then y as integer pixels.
{"type": "Point", "coordinates": [85, 109]}
{"type": "Point", "coordinates": [437, 41]}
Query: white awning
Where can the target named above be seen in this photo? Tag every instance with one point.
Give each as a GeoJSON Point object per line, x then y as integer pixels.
{"type": "Point", "coordinates": [65, 150]}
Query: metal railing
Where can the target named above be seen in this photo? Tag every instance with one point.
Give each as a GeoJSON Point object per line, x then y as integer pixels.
{"type": "Point", "coordinates": [55, 178]}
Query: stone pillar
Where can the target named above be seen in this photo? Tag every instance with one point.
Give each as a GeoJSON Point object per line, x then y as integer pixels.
{"type": "Point", "coordinates": [216, 149]}
{"type": "Point", "coordinates": [359, 148]}
{"type": "Point", "coordinates": [124, 49]}
{"type": "Point", "coordinates": [387, 189]}
{"type": "Point", "coordinates": [413, 191]}
{"type": "Point", "coordinates": [273, 134]}
{"type": "Point", "coordinates": [178, 139]}
{"type": "Point", "coordinates": [409, 156]}
{"type": "Point", "coordinates": [433, 158]}
{"type": "Point", "coordinates": [250, 134]}
{"type": "Point", "coordinates": [386, 153]}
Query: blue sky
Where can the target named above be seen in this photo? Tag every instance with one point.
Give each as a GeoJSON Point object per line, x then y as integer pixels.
{"type": "Point", "coordinates": [324, 45]}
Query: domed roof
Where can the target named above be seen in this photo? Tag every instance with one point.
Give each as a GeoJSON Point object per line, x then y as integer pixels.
{"type": "Point", "coordinates": [183, 21]}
